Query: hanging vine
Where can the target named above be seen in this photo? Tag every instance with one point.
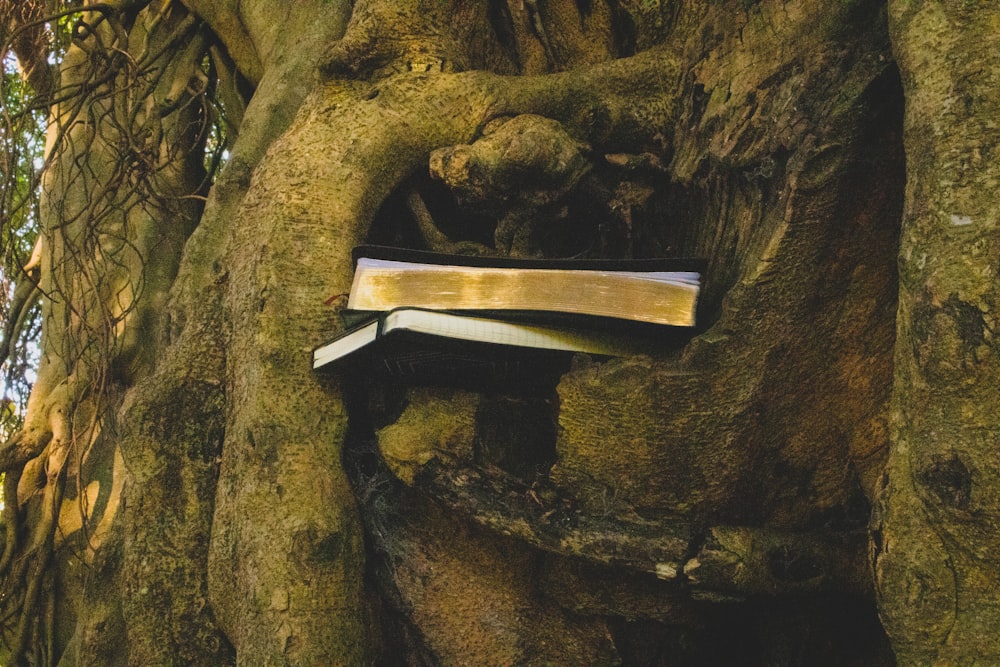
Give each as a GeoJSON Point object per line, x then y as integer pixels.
{"type": "Point", "coordinates": [96, 152]}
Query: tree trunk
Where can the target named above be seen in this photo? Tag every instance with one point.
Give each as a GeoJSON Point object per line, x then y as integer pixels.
{"type": "Point", "coordinates": [936, 535]}
{"type": "Point", "coordinates": [188, 490]}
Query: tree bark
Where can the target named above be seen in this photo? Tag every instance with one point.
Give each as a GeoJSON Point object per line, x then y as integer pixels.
{"type": "Point", "coordinates": [936, 537]}
{"type": "Point", "coordinates": [228, 505]}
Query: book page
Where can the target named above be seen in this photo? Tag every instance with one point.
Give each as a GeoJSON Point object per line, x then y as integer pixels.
{"type": "Point", "coordinates": [346, 343]}
{"type": "Point", "coordinates": [505, 333]}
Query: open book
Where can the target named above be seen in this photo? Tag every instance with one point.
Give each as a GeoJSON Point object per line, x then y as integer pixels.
{"type": "Point", "coordinates": [660, 291]}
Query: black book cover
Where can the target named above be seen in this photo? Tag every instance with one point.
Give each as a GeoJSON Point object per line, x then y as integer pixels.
{"type": "Point", "coordinates": [414, 358]}
{"type": "Point", "coordinates": [428, 257]}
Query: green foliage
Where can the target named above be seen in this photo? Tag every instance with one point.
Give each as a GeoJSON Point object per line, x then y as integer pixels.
{"type": "Point", "coordinates": [22, 157]}
{"type": "Point", "coordinates": [22, 142]}
{"type": "Point", "coordinates": [220, 129]}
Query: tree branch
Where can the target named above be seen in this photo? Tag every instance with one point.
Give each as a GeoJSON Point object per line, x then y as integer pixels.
{"type": "Point", "coordinates": [29, 41]}
{"type": "Point", "coordinates": [26, 294]}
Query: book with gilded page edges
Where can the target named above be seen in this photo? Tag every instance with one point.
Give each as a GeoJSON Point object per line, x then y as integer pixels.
{"type": "Point", "coordinates": [453, 319]}
{"type": "Point", "coordinates": [658, 291]}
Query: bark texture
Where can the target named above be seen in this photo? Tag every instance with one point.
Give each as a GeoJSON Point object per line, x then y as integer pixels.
{"type": "Point", "coordinates": [935, 536]}
{"type": "Point", "coordinates": [196, 494]}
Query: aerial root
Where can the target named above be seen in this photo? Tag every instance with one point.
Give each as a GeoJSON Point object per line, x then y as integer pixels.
{"type": "Point", "coordinates": [32, 565]}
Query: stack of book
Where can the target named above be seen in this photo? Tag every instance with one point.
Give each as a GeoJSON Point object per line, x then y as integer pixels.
{"type": "Point", "coordinates": [410, 310]}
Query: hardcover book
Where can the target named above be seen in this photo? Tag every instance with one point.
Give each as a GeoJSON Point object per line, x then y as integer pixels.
{"type": "Point", "coordinates": [407, 337]}
{"type": "Point", "coordinates": [659, 291]}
